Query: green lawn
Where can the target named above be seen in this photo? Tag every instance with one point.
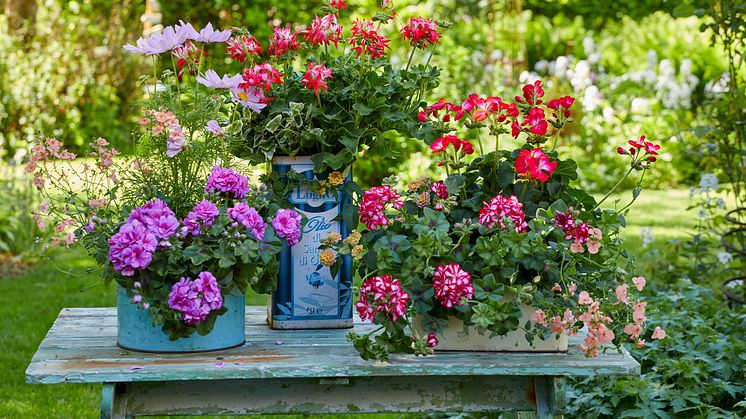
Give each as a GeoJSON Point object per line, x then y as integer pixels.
{"type": "Point", "coordinates": [32, 302]}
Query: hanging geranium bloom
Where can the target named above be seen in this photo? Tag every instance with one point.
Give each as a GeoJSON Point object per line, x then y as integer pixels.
{"type": "Point", "coordinates": [243, 46]}
{"type": "Point", "coordinates": [315, 77]}
{"type": "Point", "coordinates": [366, 40]}
{"type": "Point", "coordinates": [500, 209]}
{"type": "Point", "coordinates": [421, 31]}
{"type": "Point", "coordinates": [324, 30]}
{"type": "Point", "coordinates": [452, 111]}
{"type": "Point", "coordinates": [283, 40]}
{"type": "Point", "coordinates": [442, 143]}
{"type": "Point", "coordinates": [261, 76]}
{"type": "Point", "coordinates": [452, 285]}
{"type": "Point", "coordinates": [651, 150]}
{"type": "Point", "coordinates": [187, 57]}
{"type": "Point", "coordinates": [382, 294]}
{"type": "Point", "coordinates": [531, 94]}
{"type": "Point", "coordinates": [534, 164]}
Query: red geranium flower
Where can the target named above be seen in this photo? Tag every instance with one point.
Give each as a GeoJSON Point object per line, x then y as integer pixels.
{"type": "Point", "coordinates": [531, 94]}
{"type": "Point", "coordinates": [535, 119]}
{"type": "Point", "coordinates": [421, 31]}
{"type": "Point", "coordinates": [315, 77]}
{"type": "Point", "coordinates": [561, 105]}
{"type": "Point", "coordinates": [534, 164]}
{"type": "Point", "coordinates": [323, 30]}
{"type": "Point", "coordinates": [242, 46]}
{"type": "Point", "coordinates": [283, 40]}
{"type": "Point", "coordinates": [442, 143]}
{"type": "Point", "coordinates": [366, 40]}
{"type": "Point", "coordinates": [261, 76]}
{"type": "Point", "coordinates": [339, 5]}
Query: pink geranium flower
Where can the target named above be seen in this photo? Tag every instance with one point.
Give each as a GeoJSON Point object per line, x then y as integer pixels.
{"type": "Point", "coordinates": [658, 333]}
{"type": "Point", "coordinates": [382, 294]}
{"type": "Point", "coordinates": [500, 209]}
{"type": "Point", "coordinates": [421, 32]}
{"type": "Point", "coordinates": [452, 285]}
{"type": "Point", "coordinates": [283, 40]}
{"type": "Point", "coordinates": [534, 164]}
{"type": "Point", "coordinates": [315, 78]}
{"type": "Point", "coordinates": [639, 282]}
{"type": "Point", "coordinates": [287, 225]}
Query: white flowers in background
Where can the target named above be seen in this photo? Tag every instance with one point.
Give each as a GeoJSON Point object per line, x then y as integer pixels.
{"type": "Point", "coordinates": [717, 87]}
{"type": "Point", "coordinates": [639, 105]}
{"type": "Point", "coordinates": [725, 258]}
{"type": "Point", "coordinates": [581, 77]}
{"type": "Point", "coordinates": [592, 98]}
{"type": "Point", "coordinates": [646, 235]}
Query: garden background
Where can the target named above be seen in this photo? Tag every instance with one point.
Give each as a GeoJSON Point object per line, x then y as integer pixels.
{"type": "Point", "coordinates": [658, 67]}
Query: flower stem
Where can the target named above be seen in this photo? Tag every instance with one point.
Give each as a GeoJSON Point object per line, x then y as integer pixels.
{"type": "Point", "coordinates": [556, 139]}
{"type": "Point", "coordinates": [613, 189]}
{"type": "Point", "coordinates": [432, 52]}
{"type": "Point", "coordinates": [411, 55]}
{"type": "Point", "coordinates": [176, 75]}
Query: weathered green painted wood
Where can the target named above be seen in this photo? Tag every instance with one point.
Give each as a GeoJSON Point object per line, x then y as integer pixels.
{"type": "Point", "coordinates": [81, 347]}
{"type": "Point", "coordinates": [308, 396]}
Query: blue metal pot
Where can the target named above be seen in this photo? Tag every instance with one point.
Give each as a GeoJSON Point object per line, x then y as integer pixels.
{"type": "Point", "coordinates": [307, 295]}
{"type": "Point", "coordinates": [136, 332]}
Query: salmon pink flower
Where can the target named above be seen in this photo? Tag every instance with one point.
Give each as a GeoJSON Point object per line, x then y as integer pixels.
{"type": "Point", "coordinates": [452, 285]}
{"type": "Point", "coordinates": [421, 32]}
{"type": "Point", "coordinates": [658, 333]}
{"type": "Point", "coordinates": [283, 40]}
{"type": "Point", "coordinates": [621, 294]}
{"type": "Point", "coordinates": [639, 282]}
{"type": "Point", "coordinates": [539, 317]}
{"type": "Point", "coordinates": [534, 164]}
{"type": "Point", "coordinates": [315, 78]}
{"type": "Point", "coordinates": [638, 314]}
{"type": "Point", "coordinates": [633, 330]}
{"type": "Point", "coordinates": [584, 298]}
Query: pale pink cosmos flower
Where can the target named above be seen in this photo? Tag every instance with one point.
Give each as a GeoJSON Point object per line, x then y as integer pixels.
{"type": "Point", "coordinates": [213, 127]}
{"type": "Point", "coordinates": [251, 98]}
{"type": "Point", "coordinates": [175, 142]}
{"type": "Point", "coordinates": [208, 34]}
{"type": "Point", "coordinates": [639, 282]}
{"type": "Point", "coordinates": [213, 81]}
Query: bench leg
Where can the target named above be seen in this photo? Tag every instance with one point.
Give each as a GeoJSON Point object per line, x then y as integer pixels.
{"type": "Point", "coordinates": [550, 396]}
{"type": "Point", "coordinates": [111, 406]}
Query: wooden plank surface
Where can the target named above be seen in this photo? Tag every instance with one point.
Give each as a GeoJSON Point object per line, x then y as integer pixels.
{"type": "Point", "coordinates": [81, 347]}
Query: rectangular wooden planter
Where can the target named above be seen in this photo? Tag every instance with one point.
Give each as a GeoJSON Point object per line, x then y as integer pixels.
{"type": "Point", "coordinates": [453, 338]}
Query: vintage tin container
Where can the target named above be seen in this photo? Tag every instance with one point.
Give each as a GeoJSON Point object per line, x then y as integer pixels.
{"type": "Point", "coordinates": [136, 331]}
{"type": "Point", "coordinates": [307, 295]}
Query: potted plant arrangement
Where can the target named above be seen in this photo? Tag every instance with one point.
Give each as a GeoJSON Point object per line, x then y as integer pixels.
{"type": "Point", "coordinates": [181, 233]}
{"type": "Point", "coordinates": [325, 95]}
{"type": "Point", "coordinates": [504, 253]}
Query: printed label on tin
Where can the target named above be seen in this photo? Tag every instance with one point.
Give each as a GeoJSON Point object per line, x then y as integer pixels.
{"type": "Point", "coordinates": [304, 195]}
{"type": "Point", "coordinates": [315, 292]}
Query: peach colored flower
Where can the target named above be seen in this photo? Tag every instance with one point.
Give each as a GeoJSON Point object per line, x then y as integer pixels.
{"type": "Point", "coordinates": [621, 294]}
{"type": "Point", "coordinates": [539, 317]}
{"type": "Point", "coordinates": [639, 282]}
{"type": "Point", "coordinates": [593, 246]}
{"type": "Point", "coordinates": [97, 203]}
{"type": "Point", "coordinates": [658, 333]}
{"type": "Point", "coordinates": [557, 288]}
{"type": "Point", "coordinates": [639, 312]}
{"type": "Point", "coordinates": [584, 298]}
{"type": "Point", "coordinates": [640, 343]}
{"type": "Point", "coordinates": [633, 330]}
{"type": "Point", "coordinates": [577, 247]}
{"type": "Point", "coordinates": [573, 288]}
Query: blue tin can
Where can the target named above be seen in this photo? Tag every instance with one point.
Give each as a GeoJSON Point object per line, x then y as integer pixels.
{"type": "Point", "coordinates": [307, 295]}
{"type": "Point", "coordinates": [136, 331]}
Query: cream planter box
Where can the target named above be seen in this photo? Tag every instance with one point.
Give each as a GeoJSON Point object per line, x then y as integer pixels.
{"type": "Point", "coordinates": [452, 338]}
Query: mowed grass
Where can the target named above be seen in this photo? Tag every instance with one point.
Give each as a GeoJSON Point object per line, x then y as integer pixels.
{"type": "Point", "coordinates": [32, 302]}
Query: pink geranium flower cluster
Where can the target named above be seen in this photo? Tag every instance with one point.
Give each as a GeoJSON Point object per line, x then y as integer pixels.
{"type": "Point", "coordinates": [287, 225]}
{"type": "Point", "coordinates": [324, 30]}
{"type": "Point", "coordinates": [131, 248]}
{"type": "Point", "coordinates": [283, 40]}
{"type": "Point", "coordinates": [202, 216]}
{"type": "Point", "coordinates": [262, 77]}
{"type": "Point", "coordinates": [147, 228]}
{"type": "Point", "coordinates": [500, 209]}
{"type": "Point", "coordinates": [534, 164]}
{"type": "Point", "coordinates": [452, 285]}
{"type": "Point", "coordinates": [374, 203]}
{"type": "Point", "coordinates": [197, 298]}
{"type": "Point", "coordinates": [579, 232]}
{"type": "Point", "coordinates": [382, 294]}
{"type": "Point", "coordinates": [243, 46]}
{"type": "Point", "coordinates": [227, 183]}
{"type": "Point", "coordinates": [248, 217]}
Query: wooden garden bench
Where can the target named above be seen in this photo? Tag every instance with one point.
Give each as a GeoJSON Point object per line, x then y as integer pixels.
{"type": "Point", "coordinates": [303, 371]}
